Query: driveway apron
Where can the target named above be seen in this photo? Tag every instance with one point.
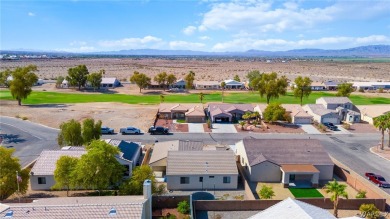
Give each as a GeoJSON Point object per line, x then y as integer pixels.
{"type": "Point", "coordinates": [223, 128]}
{"type": "Point", "coordinates": [195, 128]}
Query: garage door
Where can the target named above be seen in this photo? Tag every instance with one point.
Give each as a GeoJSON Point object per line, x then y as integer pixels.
{"type": "Point", "coordinates": [195, 119]}
{"type": "Point", "coordinates": [302, 120]}
{"type": "Point", "coordinates": [331, 120]}
{"type": "Point", "coordinates": [221, 119]}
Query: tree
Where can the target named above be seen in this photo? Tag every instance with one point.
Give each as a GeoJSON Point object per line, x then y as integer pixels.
{"type": "Point", "coordinates": [271, 86]}
{"type": "Point", "coordinates": [95, 79]}
{"type": "Point", "coordinates": [337, 190]}
{"type": "Point", "coordinates": [190, 77]}
{"type": "Point", "coordinates": [4, 77]}
{"type": "Point", "coordinates": [8, 178]}
{"type": "Point", "coordinates": [266, 192]}
{"type": "Point", "coordinates": [237, 78]}
{"type": "Point", "coordinates": [183, 207]}
{"type": "Point", "coordinates": [77, 76]}
{"type": "Point", "coordinates": [171, 79]}
{"type": "Point", "coordinates": [23, 78]}
{"type": "Point", "coordinates": [223, 85]}
{"type": "Point", "coordinates": [302, 88]}
{"type": "Point", "coordinates": [344, 90]}
{"type": "Point", "coordinates": [201, 97]}
{"type": "Point", "coordinates": [162, 98]}
{"type": "Point", "coordinates": [161, 79]}
{"type": "Point", "coordinates": [369, 211]}
{"type": "Point", "coordinates": [274, 112]}
{"type": "Point", "coordinates": [382, 123]}
{"type": "Point", "coordinates": [134, 186]}
{"type": "Point", "coordinates": [254, 78]}
{"type": "Point", "coordinates": [140, 79]}
{"type": "Point", "coordinates": [98, 168]}
{"type": "Point", "coordinates": [63, 174]}
{"type": "Point", "coordinates": [247, 116]}
{"type": "Point", "coordinates": [59, 81]}
{"type": "Point", "coordinates": [91, 130]}
{"type": "Point", "coordinates": [242, 124]}
{"type": "Point", "coordinates": [70, 134]}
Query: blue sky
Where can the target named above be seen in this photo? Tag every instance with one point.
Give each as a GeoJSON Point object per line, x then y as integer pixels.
{"type": "Point", "coordinates": [238, 25]}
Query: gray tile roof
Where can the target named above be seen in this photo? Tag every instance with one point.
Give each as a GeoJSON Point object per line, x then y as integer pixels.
{"type": "Point", "coordinates": [79, 207]}
{"type": "Point", "coordinates": [215, 109]}
{"type": "Point", "coordinates": [336, 100]}
{"type": "Point", "coordinates": [160, 149]}
{"type": "Point", "coordinates": [46, 162]}
{"type": "Point", "coordinates": [286, 151]}
{"type": "Point", "coordinates": [320, 109]}
{"type": "Point", "coordinates": [201, 162]}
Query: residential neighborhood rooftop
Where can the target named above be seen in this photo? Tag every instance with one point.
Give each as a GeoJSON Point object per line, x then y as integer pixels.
{"type": "Point", "coordinates": [286, 151]}
{"type": "Point", "coordinates": [78, 207]}
{"type": "Point", "coordinates": [160, 149]}
{"type": "Point", "coordinates": [128, 148]}
{"type": "Point", "coordinates": [201, 162]}
{"type": "Point", "coordinates": [319, 109]}
{"type": "Point", "coordinates": [336, 100]}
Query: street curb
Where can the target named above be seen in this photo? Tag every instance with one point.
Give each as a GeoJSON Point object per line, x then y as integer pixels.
{"type": "Point", "coordinates": [32, 122]}
{"type": "Point", "coordinates": [371, 150]}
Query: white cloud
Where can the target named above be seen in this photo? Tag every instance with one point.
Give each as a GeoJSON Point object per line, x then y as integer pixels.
{"type": "Point", "coordinates": [133, 43]}
{"type": "Point", "coordinates": [243, 44]}
{"type": "Point", "coordinates": [204, 38]}
{"type": "Point", "coordinates": [185, 45]}
{"type": "Point", "coordinates": [189, 30]}
{"type": "Point", "coordinates": [257, 16]}
{"type": "Point", "coordinates": [31, 14]}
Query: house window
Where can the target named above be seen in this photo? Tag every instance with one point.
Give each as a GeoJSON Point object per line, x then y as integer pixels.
{"type": "Point", "coordinates": [184, 180]}
{"type": "Point", "coordinates": [41, 180]}
{"type": "Point", "coordinates": [211, 177]}
{"type": "Point", "coordinates": [201, 179]}
{"type": "Point", "coordinates": [226, 179]}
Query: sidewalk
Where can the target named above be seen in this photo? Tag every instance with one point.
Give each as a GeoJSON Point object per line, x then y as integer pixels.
{"type": "Point", "coordinates": [385, 153]}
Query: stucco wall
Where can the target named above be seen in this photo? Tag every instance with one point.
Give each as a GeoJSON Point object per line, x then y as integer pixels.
{"type": "Point", "coordinates": [266, 172]}
{"type": "Point", "coordinates": [173, 182]}
{"type": "Point", "coordinates": [326, 171]}
{"type": "Point", "coordinates": [35, 186]}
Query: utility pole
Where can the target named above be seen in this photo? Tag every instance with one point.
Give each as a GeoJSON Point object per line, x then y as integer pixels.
{"type": "Point", "coordinates": [17, 182]}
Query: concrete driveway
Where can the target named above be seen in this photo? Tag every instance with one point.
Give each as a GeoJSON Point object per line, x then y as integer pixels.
{"type": "Point", "coordinates": [195, 128]}
{"type": "Point", "coordinates": [309, 129]}
{"type": "Point", "coordinates": [341, 130]}
{"type": "Point", "coordinates": [223, 128]}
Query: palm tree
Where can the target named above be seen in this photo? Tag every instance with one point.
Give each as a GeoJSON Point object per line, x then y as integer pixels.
{"type": "Point", "coordinates": [201, 97]}
{"type": "Point", "coordinates": [337, 190]}
{"type": "Point", "coordinates": [242, 123]}
{"type": "Point", "coordinates": [381, 122]}
{"type": "Point", "coordinates": [223, 85]}
{"type": "Point", "coordinates": [257, 116]}
{"type": "Point", "coordinates": [388, 127]}
{"type": "Point", "coordinates": [247, 116]}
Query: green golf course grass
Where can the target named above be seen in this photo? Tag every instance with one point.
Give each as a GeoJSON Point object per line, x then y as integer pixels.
{"type": "Point", "coordinates": [43, 97]}
{"type": "Point", "coordinates": [305, 193]}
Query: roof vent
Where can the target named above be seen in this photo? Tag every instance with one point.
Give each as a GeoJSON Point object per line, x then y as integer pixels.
{"type": "Point", "coordinates": [9, 214]}
{"type": "Point", "coordinates": [112, 212]}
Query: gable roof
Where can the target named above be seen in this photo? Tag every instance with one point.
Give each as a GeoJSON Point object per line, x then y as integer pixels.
{"type": "Point", "coordinates": [374, 110]}
{"type": "Point", "coordinates": [320, 109]}
{"type": "Point", "coordinates": [207, 83]}
{"type": "Point", "coordinates": [201, 162]}
{"type": "Point", "coordinates": [336, 100]}
{"type": "Point", "coordinates": [233, 82]}
{"type": "Point", "coordinates": [109, 80]}
{"type": "Point", "coordinates": [160, 149]}
{"type": "Point", "coordinates": [196, 111]}
{"type": "Point", "coordinates": [128, 148]}
{"type": "Point", "coordinates": [46, 162]}
{"type": "Point", "coordinates": [296, 111]}
{"type": "Point", "coordinates": [78, 207]}
{"type": "Point", "coordinates": [293, 209]}
{"type": "Point", "coordinates": [169, 107]}
{"type": "Point", "coordinates": [215, 108]}
{"type": "Point", "coordinates": [286, 151]}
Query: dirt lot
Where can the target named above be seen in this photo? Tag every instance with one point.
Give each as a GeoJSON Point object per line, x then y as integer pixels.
{"type": "Point", "coordinates": [114, 115]}
{"type": "Point", "coordinates": [211, 69]}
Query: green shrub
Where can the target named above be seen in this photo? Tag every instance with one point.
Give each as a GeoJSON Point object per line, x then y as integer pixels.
{"type": "Point", "coordinates": [380, 90]}
{"type": "Point", "coordinates": [183, 207]}
{"type": "Point", "coordinates": [369, 211]}
{"type": "Point", "coordinates": [25, 118]}
{"type": "Point", "coordinates": [321, 127]}
{"type": "Point", "coordinates": [266, 192]}
{"type": "Point", "coordinates": [361, 194]}
{"type": "Point", "coordinates": [209, 123]}
{"type": "Point", "coordinates": [347, 126]}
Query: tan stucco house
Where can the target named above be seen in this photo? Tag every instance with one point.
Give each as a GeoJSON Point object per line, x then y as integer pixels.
{"type": "Point", "coordinates": [191, 113]}
{"type": "Point", "coordinates": [288, 161]}
{"type": "Point", "coordinates": [201, 170]}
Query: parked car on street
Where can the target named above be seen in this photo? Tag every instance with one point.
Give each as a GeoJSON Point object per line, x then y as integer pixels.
{"type": "Point", "coordinates": [377, 179]}
{"type": "Point", "coordinates": [106, 130]}
{"type": "Point", "coordinates": [158, 130]}
{"type": "Point", "coordinates": [130, 130]}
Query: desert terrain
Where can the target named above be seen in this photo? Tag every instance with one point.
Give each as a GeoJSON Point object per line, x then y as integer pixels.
{"type": "Point", "coordinates": [211, 69]}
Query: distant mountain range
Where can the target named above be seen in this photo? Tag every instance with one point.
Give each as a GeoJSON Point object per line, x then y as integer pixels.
{"type": "Point", "coordinates": [362, 51]}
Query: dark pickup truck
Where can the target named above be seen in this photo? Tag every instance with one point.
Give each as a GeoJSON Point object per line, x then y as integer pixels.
{"type": "Point", "coordinates": [158, 130]}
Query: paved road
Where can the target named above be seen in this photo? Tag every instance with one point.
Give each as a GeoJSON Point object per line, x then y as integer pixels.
{"type": "Point", "coordinates": [28, 139]}
{"type": "Point", "coordinates": [350, 149]}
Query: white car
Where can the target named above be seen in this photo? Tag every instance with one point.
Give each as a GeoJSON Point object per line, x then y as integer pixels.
{"type": "Point", "coordinates": [106, 130]}
{"type": "Point", "coordinates": [130, 130]}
